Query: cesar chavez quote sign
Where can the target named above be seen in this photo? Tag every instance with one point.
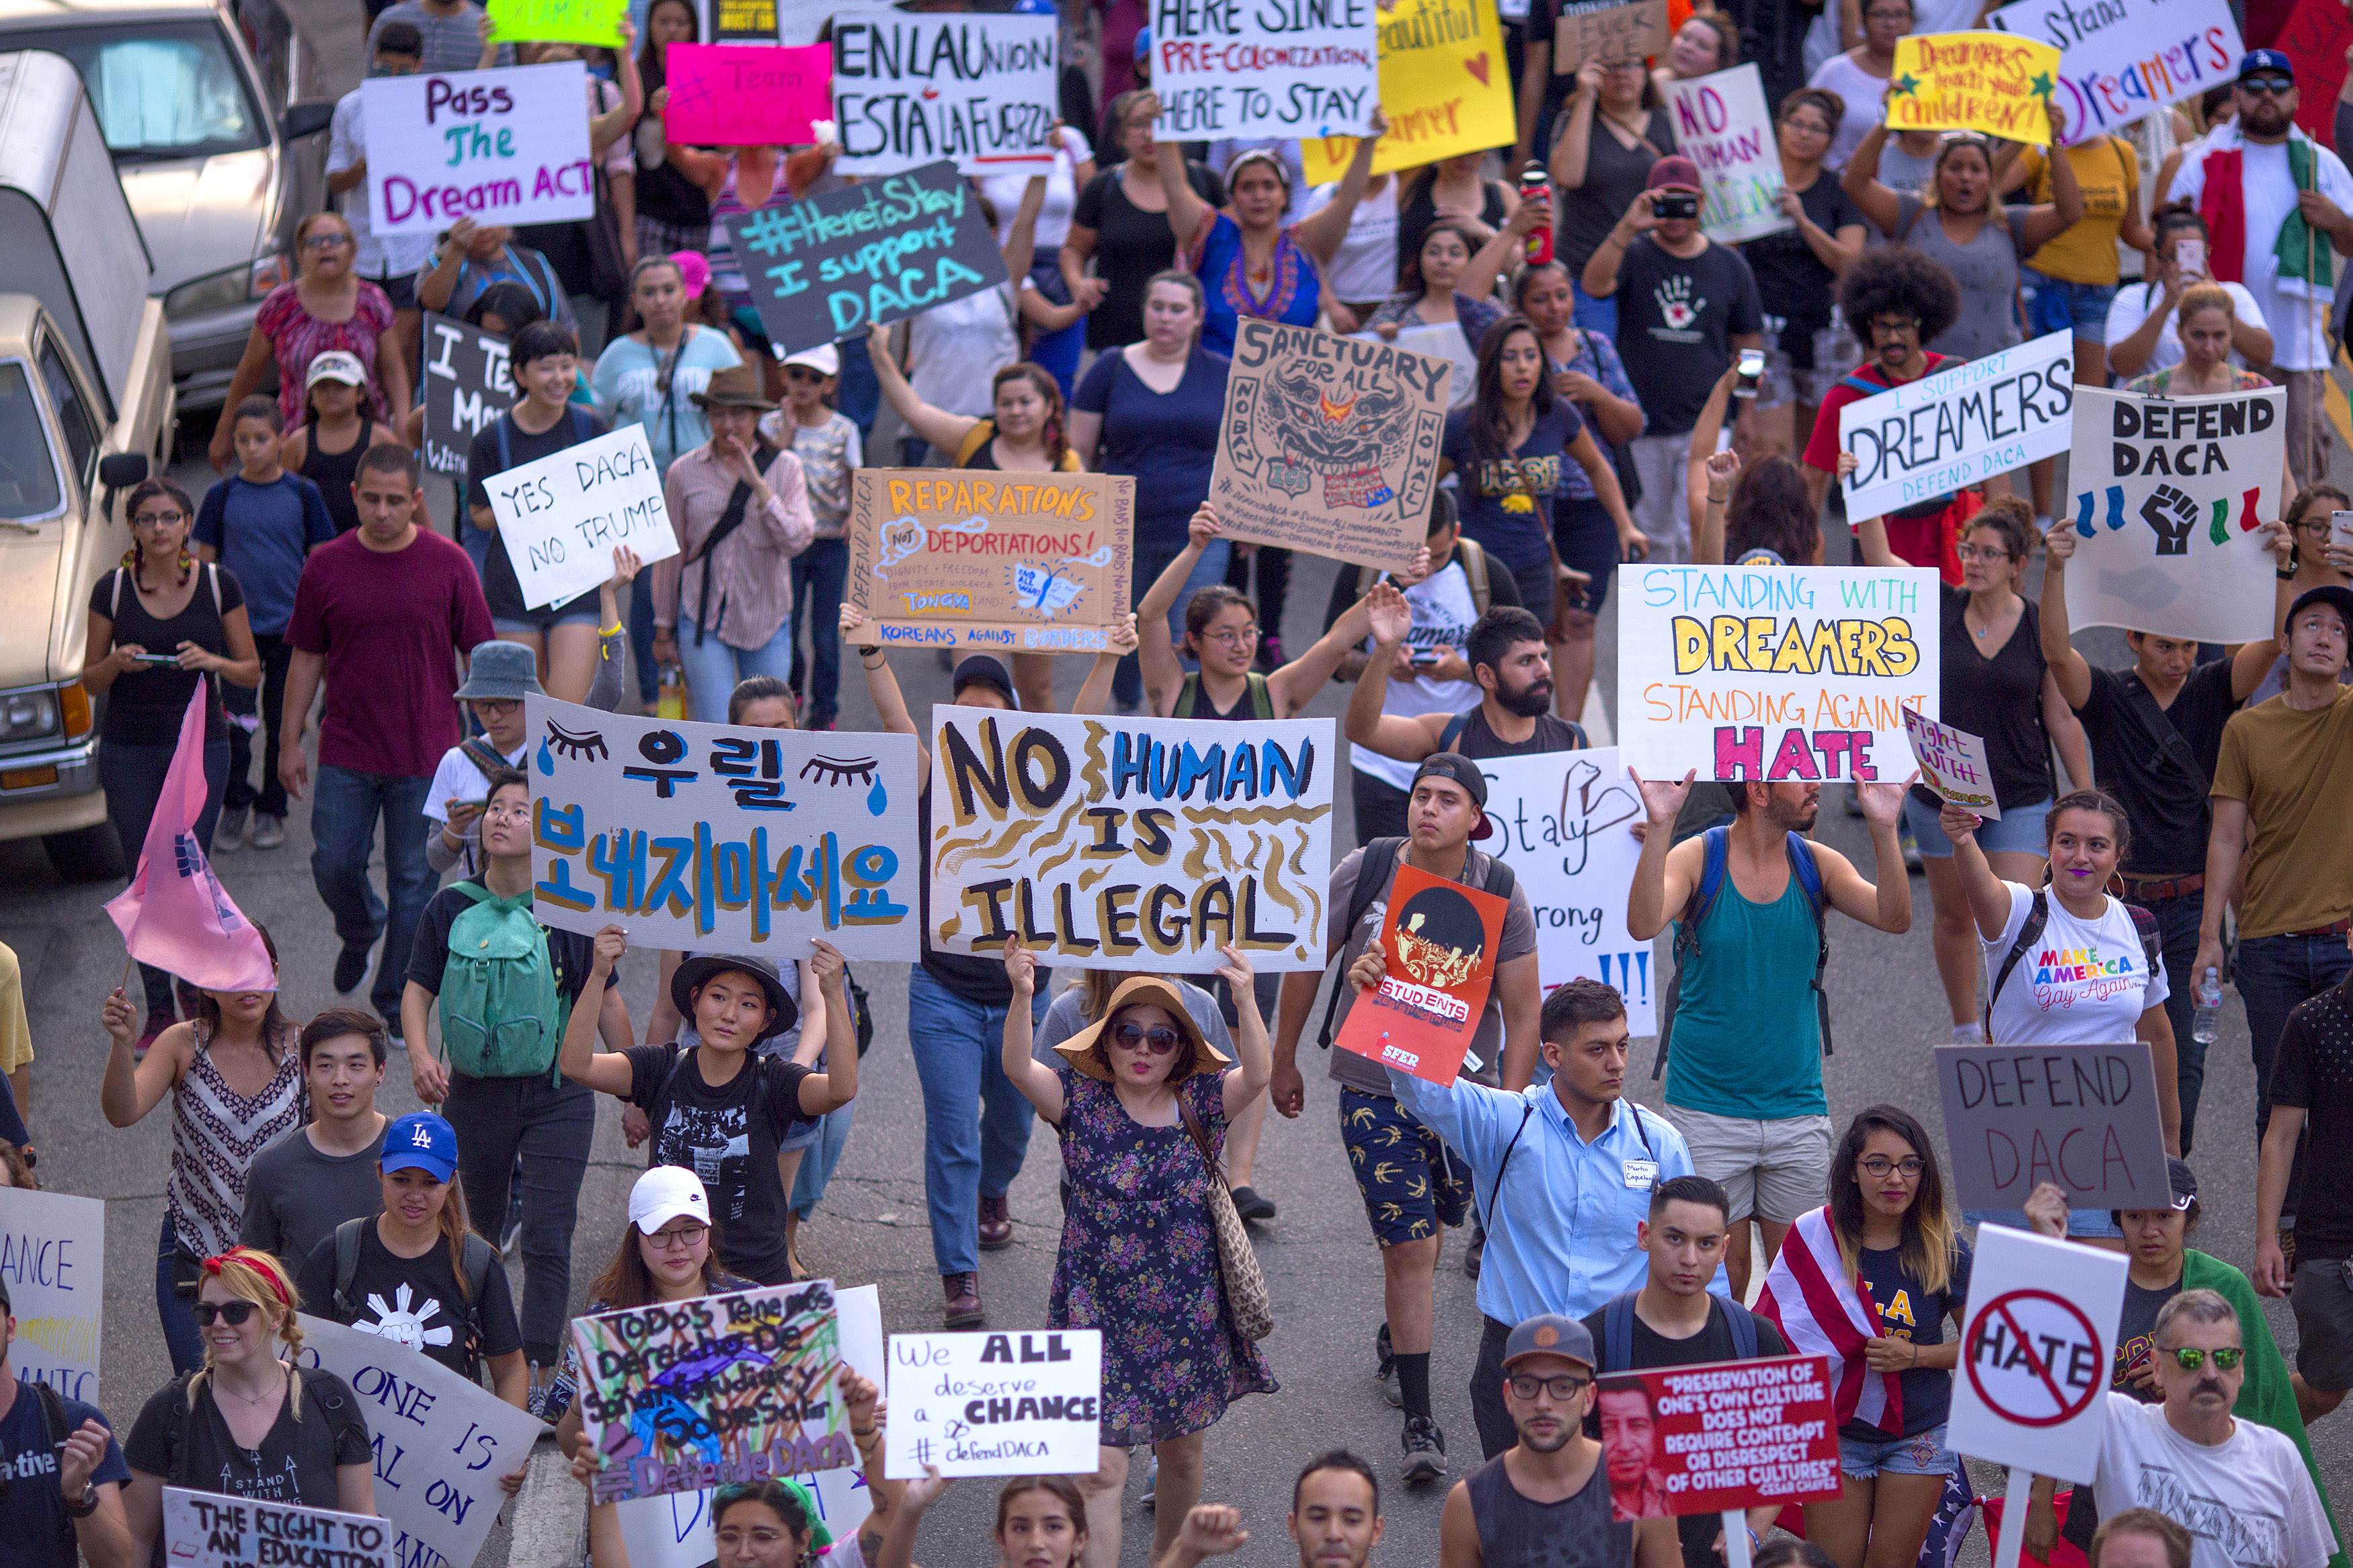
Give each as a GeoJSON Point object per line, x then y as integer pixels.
{"type": "Point", "coordinates": [908, 90]}
{"type": "Point", "coordinates": [506, 146]}
{"type": "Point", "coordinates": [1284, 68]}
{"type": "Point", "coordinates": [1719, 1438]}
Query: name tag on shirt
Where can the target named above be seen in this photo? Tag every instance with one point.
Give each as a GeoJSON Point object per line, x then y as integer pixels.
{"type": "Point", "coordinates": [1642, 1175]}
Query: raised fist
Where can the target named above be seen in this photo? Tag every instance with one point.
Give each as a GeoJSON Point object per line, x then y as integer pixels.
{"type": "Point", "coordinates": [2170, 515]}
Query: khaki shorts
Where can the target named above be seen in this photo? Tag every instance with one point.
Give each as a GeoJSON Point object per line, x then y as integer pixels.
{"type": "Point", "coordinates": [1771, 1170]}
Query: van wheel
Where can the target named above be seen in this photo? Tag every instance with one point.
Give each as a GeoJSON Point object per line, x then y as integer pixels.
{"type": "Point", "coordinates": [88, 854]}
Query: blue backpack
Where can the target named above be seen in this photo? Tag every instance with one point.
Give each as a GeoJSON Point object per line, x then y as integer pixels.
{"type": "Point", "coordinates": [1809, 873]}
{"type": "Point", "coordinates": [1617, 1330]}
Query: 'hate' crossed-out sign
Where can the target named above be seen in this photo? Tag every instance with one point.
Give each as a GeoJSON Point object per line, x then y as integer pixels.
{"type": "Point", "coordinates": [2036, 1344]}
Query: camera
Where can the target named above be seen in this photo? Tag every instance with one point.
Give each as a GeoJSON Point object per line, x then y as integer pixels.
{"type": "Point", "coordinates": [1674, 204]}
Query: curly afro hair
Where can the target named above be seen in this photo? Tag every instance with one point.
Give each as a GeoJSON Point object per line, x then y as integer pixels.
{"type": "Point", "coordinates": [1898, 280]}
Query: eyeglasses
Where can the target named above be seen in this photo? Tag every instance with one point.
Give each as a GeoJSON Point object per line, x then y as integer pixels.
{"type": "Point", "coordinates": [1563, 1388]}
{"type": "Point", "coordinates": [2277, 87]}
{"type": "Point", "coordinates": [1231, 638]}
{"type": "Point", "coordinates": [685, 1236]}
{"type": "Point", "coordinates": [495, 707]}
{"type": "Point", "coordinates": [2191, 1360]}
{"type": "Point", "coordinates": [233, 1313]}
{"type": "Point", "coordinates": [1136, 1037]}
{"type": "Point", "coordinates": [1877, 1166]}
{"type": "Point", "coordinates": [2311, 524]}
{"type": "Point", "coordinates": [158, 519]}
{"type": "Point", "coordinates": [1895, 328]}
{"type": "Point", "coordinates": [802, 372]}
{"type": "Point", "coordinates": [1810, 127]}
{"type": "Point", "coordinates": [1885, 16]}
{"type": "Point", "coordinates": [1986, 552]}
{"type": "Point", "coordinates": [327, 241]}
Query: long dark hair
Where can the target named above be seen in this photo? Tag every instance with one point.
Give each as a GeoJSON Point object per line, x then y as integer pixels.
{"type": "Point", "coordinates": [1770, 510]}
{"type": "Point", "coordinates": [275, 1024]}
{"type": "Point", "coordinates": [1410, 275]}
{"type": "Point", "coordinates": [1491, 429]}
{"type": "Point", "coordinates": [649, 53]}
{"type": "Point", "coordinates": [1929, 1237]}
{"type": "Point", "coordinates": [1050, 391]}
{"type": "Point", "coordinates": [627, 1282]}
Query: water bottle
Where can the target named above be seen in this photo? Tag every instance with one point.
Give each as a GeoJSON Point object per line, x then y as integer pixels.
{"type": "Point", "coordinates": [1536, 185]}
{"type": "Point", "coordinates": [671, 702]}
{"type": "Point", "coordinates": [2204, 1021]}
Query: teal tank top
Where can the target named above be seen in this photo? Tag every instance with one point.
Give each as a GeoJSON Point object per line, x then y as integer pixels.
{"type": "Point", "coordinates": [1748, 1039]}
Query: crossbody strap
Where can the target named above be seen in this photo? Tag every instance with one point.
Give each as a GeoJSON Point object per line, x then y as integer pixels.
{"type": "Point", "coordinates": [2143, 701]}
{"type": "Point", "coordinates": [1199, 1133]}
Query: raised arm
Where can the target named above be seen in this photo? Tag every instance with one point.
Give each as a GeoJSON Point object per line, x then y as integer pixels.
{"type": "Point", "coordinates": [1095, 690]}
{"type": "Point", "coordinates": [1494, 257]}
{"type": "Point", "coordinates": [944, 430]}
{"type": "Point", "coordinates": [1658, 888]}
{"type": "Point", "coordinates": [1162, 672]}
{"type": "Point", "coordinates": [1538, 70]}
{"type": "Point", "coordinates": [1367, 723]}
{"type": "Point", "coordinates": [1573, 143]}
{"type": "Point", "coordinates": [1188, 216]}
{"type": "Point", "coordinates": [1296, 685]}
{"type": "Point", "coordinates": [883, 687]}
{"type": "Point", "coordinates": [1861, 183]}
{"type": "Point", "coordinates": [1020, 246]}
{"type": "Point", "coordinates": [1600, 278]}
{"type": "Point", "coordinates": [1322, 230]}
{"type": "Point", "coordinates": [838, 1085]}
{"type": "Point", "coordinates": [1885, 904]}
{"type": "Point", "coordinates": [128, 1090]}
{"type": "Point", "coordinates": [2067, 732]}
{"type": "Point", "coordinates": [608, 1072]}
{"type": "Point", "coordinates": [614, 124]}
{"type": "Point", "coordinates": [1247, 1080]}
{"type": "Point", "coordinates": [2253, 660]}
{"type": "Point", "coordinates": [1708, 542]}
{"type": "Point", "coordinates": [2065, 208]}
{"type": "Point", "coordinates": [2067, 667]}
{"type": "Point", "coordinates": [1041, 1085]}
{"type": "Point", "coordinates": [1988, 894]}
{"type": "Point", "coordinates": [1703, 442]}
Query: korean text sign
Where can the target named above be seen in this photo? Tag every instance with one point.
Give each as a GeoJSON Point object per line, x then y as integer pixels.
{"type": "Point", "coordinates": [207, 1530]}
{"type": "Point", "coordinates": [443, 1442]}
{"type": "Point", "coordinates": [2084, 1116]}
{"type": "Point", "coordinates": [2037, 1341]}
{"type": "Point", "coordinates": [1439, 940]}
{"type": "Point", "coordinates": [1018, 562]}
{"type": "Point", "coordinates": [1719, 1435]}
{"type": "Point", "coordinates": [592, 22]}
{"type": "Point", "coordinates": [1608, 30]}
{"type": "Point", "coordinates": [507, 146]}
{"type": "Point", "coordinates": [865, 255]}
{"type": "Point", "coordinates": [2170, 497]}
{"type": "Point", "coordinates": [908, 90]}
{"type": "Point", "coordinates": [994, 1405]}
{"type": "Point", "coordinates": [1566, 831]}
{"type": "Point", "coordinates": [466, 387]}
{"type": "Point", "coordinates": [53, 1259]}
{"type": "Point", "coordinates": [1308, 68]}
{"type": "Point", "coordinates": [744, 95]}
{"type": "Point", "coordinates": [724, 839]}
{"type": "Point", "coordinates": [1953, 763]}
{"type": "Point", "coordinates": [1444, 83]}
{"type": "Point", "coordinates": [1785, 672]}
{"type": "Point", "coordinates": [1960, 426]}
{"type": "Point", "coordinates": [1138, 843]}
{"type": "Point", "coordinates": [1995, 82]}
{"type": "Point", "coordinates": [2123, 60]}
{"type": "Point", "coordinates": [680, 1396]}
{"type": "Point", "coordinates": [560, 515]}
{"type": "Point", "coordinates": [1722, 124]}
{"type": "Point", "coordinates": [1329, 443]}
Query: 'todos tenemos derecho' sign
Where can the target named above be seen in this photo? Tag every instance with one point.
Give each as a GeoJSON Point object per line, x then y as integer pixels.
{"type": "Point", "coordinates": [1960, 426]}
{"type": "Point", "coordinates": [507, 146]}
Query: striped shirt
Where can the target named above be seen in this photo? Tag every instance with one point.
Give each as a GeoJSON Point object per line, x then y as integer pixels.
{"type": "Point", "coordinates": [215, 1134]}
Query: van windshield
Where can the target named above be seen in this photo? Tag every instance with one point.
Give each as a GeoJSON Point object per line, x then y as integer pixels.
{"type": "Point", "coordinates": [161, 89]}
{"type": "Point", "coordinates": [28, 475]}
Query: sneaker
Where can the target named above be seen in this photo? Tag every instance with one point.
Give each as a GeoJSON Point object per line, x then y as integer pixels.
{"type": "Point", "coordinates": [1386, 1372]}
{"type": "Point", "coordinates": [1249, 1206]}
{"type": "Point", "coordinates": [269, 832]}
{"type": "Point", "coordinates": [1152, 1484]}
{"type": "Point", "coordinates": [351, 968]}
{"type": "Point", "coordinates": [963, 1310]}
{"type": "Point", "coordinates": [1477, 1250]}
{"type": "Point", "coordinates": [392, 1032]}
{"type": "Point", "coordinates": [996, 1224]}
{"type": "Point", "coordinates": [535, 1400]}
{"type": "Point", "coordinates": [229, 835]}
{"type": "Point", "coordinates": [1425, 1450]}
{"type": "Point", "coordinates": [511, 1243]}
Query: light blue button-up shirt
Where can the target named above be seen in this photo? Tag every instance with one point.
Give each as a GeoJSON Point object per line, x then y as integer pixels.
{"type": "Point", "coordinates": [1560, 1235]}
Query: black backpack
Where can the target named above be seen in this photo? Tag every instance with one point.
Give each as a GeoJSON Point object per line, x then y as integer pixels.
{"type": "Point", "coordinates": [1372, 880]}
{"type": "Point", "coordinates": [2038, 916]}
{"type": "Point", "coordinates": [480, 1258]}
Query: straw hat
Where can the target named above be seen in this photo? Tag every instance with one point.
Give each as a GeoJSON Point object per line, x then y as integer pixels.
{"type": "Point", "coordinates": [1080, 1051]}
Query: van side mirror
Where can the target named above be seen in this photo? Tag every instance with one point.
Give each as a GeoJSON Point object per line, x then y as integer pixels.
{"type": "Point", "coordinates": [306, 118]}
{"type": "Point", "coordinates": [119, 471]}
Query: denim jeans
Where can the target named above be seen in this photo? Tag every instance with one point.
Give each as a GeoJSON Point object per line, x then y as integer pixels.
{"type": "Point", "coordinates": [976, 1123]}
{"type": "Point", "coordinates": [1151, 560]}
{"type": "Point", "coordinates": [2274, 975]}
{"type": "Point", "coordinates": [181, 1336]}
{"type": "Point", "coordinates": [269, 800]}
{"type": "Point", "coordinates": [133, 777]}
{"type": "Point", "coordinates": [2177, 926]}
{"type": "Point", "coordinates": [821, 573]}
{"type": "Point", "coordinates": [499, 1120]}
{"type": "Point", "coordinates": [345, 806]}
{"type": "Point", "coordinates": [713, 666]}
{"type": "Point", "coordinates": [819, 1159]}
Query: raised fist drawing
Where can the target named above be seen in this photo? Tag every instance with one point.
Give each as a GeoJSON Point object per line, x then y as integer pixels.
{"type": "Point", "coordinates": [2170, 515]}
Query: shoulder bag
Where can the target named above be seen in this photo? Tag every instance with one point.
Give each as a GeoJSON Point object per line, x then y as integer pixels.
{"type": "Point", "coordinates": [1245, 1287]}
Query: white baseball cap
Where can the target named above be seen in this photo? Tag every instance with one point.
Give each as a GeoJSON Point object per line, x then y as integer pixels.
{"type": "Point", "coordinates": [667, 1192]}
{"type": "Point", "coordinates": [824, 359]}
{"type": "Point", "coordinates": [336, 364]}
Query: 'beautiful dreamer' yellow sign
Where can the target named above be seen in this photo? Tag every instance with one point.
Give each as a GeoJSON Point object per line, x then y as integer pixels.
{"type": "Point", "coordinates": [1999, 83]}
{"type": "Point", "coordinates": [1445, 85]}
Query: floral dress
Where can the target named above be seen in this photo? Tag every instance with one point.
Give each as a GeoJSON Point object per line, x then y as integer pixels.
{"type": "Point", "coordinates": [297, 337]}
{"type": "Point", "coordinates": [1139, 1261]}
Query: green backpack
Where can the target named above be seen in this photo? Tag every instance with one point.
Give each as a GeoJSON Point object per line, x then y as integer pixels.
{"type": "Point", "coordinates": [501, 1013]}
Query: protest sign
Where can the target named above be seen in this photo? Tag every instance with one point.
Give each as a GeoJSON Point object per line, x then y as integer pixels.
{"type": "Point", "coordinates": [1444, 341]}
{"type": "Point", "coordinates": [443, 1442]}
{"type": "Point", "coordinates": [2084, 1116]}
{"type": "Point", "coordinates": [674, 1530]}
{"type": "Point", "coordinates": [1722, 125]}
{"type": "Point", "coordinates": [561, 514]}
{"type": "Point", "coordinates": [592, 22]}
{"type": "Point", "coordinates": [466, 387]}
{"type": "Point", "coordinates": [2315, 39]}
{"type": "Point", "coordinates": [53, 1260]}
{"type": "Point", "coordinates": [1294, 71]}
{"type": "Point", "coordinates": [1439, 939]}
{"type": "Point", "coordinates": [994, 1405]}
{"type": "Point", "coordinates": [2036, 1346]}
{"type": "Point", "coordinates": [1329, 444]}
{"type": "Point", "coordinates": [908, 90]}
{"type": "Point", "coordinates": [1768, 673]}
{"type": "Point", "coordinates": [744, 95]}
{"type": "Point", "coordinates": [1953, 763]}
{"type": "Point", "coordinates": [1018, 562]}
{"type": "Point", "coordinates": [1135, 843]}
{"type": "Point", "coordinates": [506, 146]}
{"type": "Point", "coordinates": [1608, 30]}
{"type": "Point", "coordinates": [1999, 83]}
{"type": "Point", "coordinates": [741, 22]}
{"type": "Point", "coordinates": [1718, 1436]}
{"type": "Point", "coordinates": [2123, 60]}
{"type": "Point", "coordinates": [1962, 427]}
{"type": "Point", "coordinates": [1444, 82]}
{"type": "Point", "coordinates": [686, 1396]}
{"type": "Point", "coordinates": [2170, 500]}
{"type": "Point", "coordinates": [208, 1530]}
{"type": "Point", "coordinates": [721, 838]}
{"type": "Point", "coordinates": [865, 255]}
{"type": "Point", "coordinates": [1565, 826]}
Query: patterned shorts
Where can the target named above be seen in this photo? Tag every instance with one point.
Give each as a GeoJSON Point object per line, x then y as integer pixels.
{"type": "Point", "coordinates": [1411, 1181]}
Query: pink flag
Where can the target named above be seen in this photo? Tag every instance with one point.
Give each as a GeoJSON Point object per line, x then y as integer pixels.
{"type": "Point", "coordinates": [175, 915]}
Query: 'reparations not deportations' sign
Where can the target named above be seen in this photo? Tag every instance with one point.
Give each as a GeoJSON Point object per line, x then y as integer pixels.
{"type": "Point", "coordinates": [53, 1260]}
{"type": "Point", "coordinates": [719, 838]}
{"type": "Point", "coordinates": [1138, 843]}
{"type": "Point", "coordinates": [466, 387]}
{"type": "Point", "coordinates": [1444, 82]}
{"type": "Point", "coordinates": [2083, 1117]}
{"type": "Point", "coordinates": [1565, 826]}
{"type": "Point", "coordinates": [2170, 500]}
{"type": "Point", "coordinates": [560, 515]}
{"type": "Point", "coordinates": [1608, 30]}
{"type": "Point", "coordinates": [1960, 426]}
{"type": "Point", "coordinates": [1999, 83]}
{"type": "Point", "coordinates": [994, 1405]}
{"type": "Point", "coordinates": [873, 253]}
{"type": "Point", "coordinates": [1329, 444]}
{"type": "Point", "coordinates": [505, 146]}
{"type": "Point", "coordinates": [1439, 940]}
{"type": "Point", "coordinates": [1718, 1436]}
{"type": "Point", "coordinates": [1770, 673]}
{"type": "Point", "coordinates": [1953, 763]}
{"type": "Point", "coordinates": [908, 90]}
{"type": "Point", "coordinates": [744, 95]}
{"type": "Point", "coordinates": [1722, 124]}
{"type": "Point", "coordinates": [1293, 72]}
{"type": "Point", "coordinates": [2123, 60]}
{"type": "Point", "coordinates": [683, 1395]}
{"type": "Point", "coordinates": [1019, 563]}
{"type": "Point", "coordinates": [208, 1530]}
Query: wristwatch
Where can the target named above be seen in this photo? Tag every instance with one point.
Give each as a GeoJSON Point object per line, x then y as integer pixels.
{"type": "Point", "coordinates": [88, 1504]}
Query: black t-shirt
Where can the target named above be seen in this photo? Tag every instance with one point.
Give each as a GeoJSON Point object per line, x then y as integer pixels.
{"type": "Point", "coordinates": [978, 978]}
{"type": "Point", "coordinates": [145, 704]}
{"type": "Point", "coordinates": [1791, 281]}
{"type": "Point", "coordinates": [1615, 173]}
{"type": "Point", "coordinates": [1676, 320]}
{"type": "Point", "coordinates": [727, 1136]}
{"type": "Point", "coordinates": [296, 1460]}
{"type": "Point", "coordinates": [1131, 245]}
{"type": "Point", "coordinates": [416, 1301]}
{"type": "Point", "coordinates": [2170, 817]}
{"type": "Point", "coordinates": [2136, 1343]}
{"type": "Point", "coordinates": [2316, 1071]}
{"type": "Point", "coordinates": [570, 952]}
{"type": "Point", "coordinates": [1909, 1311]}
{"type": "Point", "coordinates": [500, 587]}
{"type": "Point", "coordinates": [1420, 210]}
{"type": "Point", "coordinates": [1998, 699]}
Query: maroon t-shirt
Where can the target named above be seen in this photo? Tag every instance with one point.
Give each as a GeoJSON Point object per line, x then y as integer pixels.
{"type": "Point", "coordinates": [391, 627]}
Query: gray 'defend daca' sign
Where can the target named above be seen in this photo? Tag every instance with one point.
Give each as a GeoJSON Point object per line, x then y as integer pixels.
{"type": "Point", "coordinates": [2084, 1116]}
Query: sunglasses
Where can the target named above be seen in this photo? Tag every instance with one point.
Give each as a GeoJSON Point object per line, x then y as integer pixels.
{"type": "Point", "coordinates": [2277, 87]}
{"type": "Point", "coordinates": [1136, 1037]}
{"type": "Point", "coordinates": [2191, 1360]}
{"type": "Point", "coordinates": [233, 1313]}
